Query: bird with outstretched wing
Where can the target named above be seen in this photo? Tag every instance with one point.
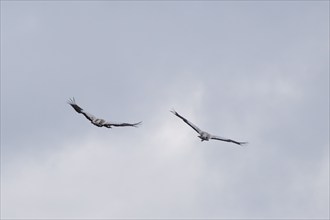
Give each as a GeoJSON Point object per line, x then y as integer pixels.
{"type": "Point", "coordinates": [204, 136]}
{"type": "Point", "coordinates": [97, 121]}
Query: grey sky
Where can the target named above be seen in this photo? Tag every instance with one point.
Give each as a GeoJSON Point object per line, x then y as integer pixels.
{"type": "Point", "coordinates": [252, 71]}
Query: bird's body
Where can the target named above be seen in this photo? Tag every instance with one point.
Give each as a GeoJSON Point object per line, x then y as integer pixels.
{"type": "Point", "coordinates": [203, 135]}
{"type": "Point", "coordinates": [98, 121]}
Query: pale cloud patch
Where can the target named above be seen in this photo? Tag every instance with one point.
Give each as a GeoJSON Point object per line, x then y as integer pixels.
{"type": "Point", "coordinates": [92, 178]}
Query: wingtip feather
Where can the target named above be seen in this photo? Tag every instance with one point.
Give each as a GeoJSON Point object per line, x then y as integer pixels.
{"type": "Point", "coordinates": [137, 124]}
{"type": "Point", "coordinates": [71, 101]}
{"type": "Point", "coordinates": [173, 111]}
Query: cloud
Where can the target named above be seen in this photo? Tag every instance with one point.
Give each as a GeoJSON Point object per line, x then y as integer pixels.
{"type": "Point", "coordinates": [239, 72]}
{"type": "Point", "coordinates": [104, 178]}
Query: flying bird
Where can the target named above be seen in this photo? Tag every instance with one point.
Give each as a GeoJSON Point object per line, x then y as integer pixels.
{"type": "Point", "coordinates": [204, 136]}
{"type": "Point", "coordinates": [97, 121]}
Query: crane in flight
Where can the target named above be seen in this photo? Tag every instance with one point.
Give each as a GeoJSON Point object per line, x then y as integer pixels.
{"type": "Point", "coordinates": [204, 136]}
{"type": "Point", "coordinates": [98, 121]}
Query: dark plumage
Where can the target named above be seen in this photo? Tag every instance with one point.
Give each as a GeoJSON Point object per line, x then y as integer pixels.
{"type": "Point", "coordinates": [97, 121]}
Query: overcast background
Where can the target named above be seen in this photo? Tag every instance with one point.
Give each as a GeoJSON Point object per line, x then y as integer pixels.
{"type": "Point", "coordinates": [255, 71]}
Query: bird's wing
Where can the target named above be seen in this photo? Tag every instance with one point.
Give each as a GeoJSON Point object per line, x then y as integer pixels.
{"type": "Point", "coordinates": [188, 122]}
{"type": "Point", "coordinates": [122, 124]}
{"type": "Point", "coordinates": [78, 109]}
{"type": "Point", "coordinates": [227, 140]}
{"type": "Point", "coordinates": [88, 116]}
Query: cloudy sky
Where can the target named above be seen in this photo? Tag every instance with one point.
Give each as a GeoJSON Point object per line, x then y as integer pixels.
{"type": "Point", "coordinates": [255, 71]}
